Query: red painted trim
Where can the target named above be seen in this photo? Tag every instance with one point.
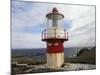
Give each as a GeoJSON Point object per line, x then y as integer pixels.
{"type": "Point", "coordinates": [55, 10]}
{"type": "Point", "coordinates": [55, 48]}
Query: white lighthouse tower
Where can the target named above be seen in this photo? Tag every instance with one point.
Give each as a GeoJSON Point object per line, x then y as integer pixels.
{"type": "Point", "coordinates": [55, 36]}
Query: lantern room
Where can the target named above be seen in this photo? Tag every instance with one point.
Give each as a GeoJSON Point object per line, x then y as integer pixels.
{"type": "Point", "coordinates": [55, 27]}
{"type": "Point", "coordinates": [55, 19]}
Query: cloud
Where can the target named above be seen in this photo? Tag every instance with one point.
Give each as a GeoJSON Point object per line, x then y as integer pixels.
{"type": "Point", "coordinates": [27, 40]}
{"type": "Point", "coordinates": [28, 21]}
{"type": "Point", "coordinates": [82, 32]}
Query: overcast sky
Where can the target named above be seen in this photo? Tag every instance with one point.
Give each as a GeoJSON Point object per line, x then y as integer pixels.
{"type": "Point", "coordinates": [28, 21]}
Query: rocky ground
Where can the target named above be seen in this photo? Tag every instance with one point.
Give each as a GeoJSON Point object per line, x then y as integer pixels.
{"type": "Point", "coordinates": [85, 59]}
{"type": "Point", "coordinates": [24, 69]}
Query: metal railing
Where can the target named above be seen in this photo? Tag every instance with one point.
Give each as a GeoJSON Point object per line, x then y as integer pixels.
{"type": "Point", "coordinates": [45, 35]}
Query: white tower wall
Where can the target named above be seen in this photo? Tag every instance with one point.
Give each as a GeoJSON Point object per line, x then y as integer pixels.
{"type": "Point", "coordinates": [55, 60]}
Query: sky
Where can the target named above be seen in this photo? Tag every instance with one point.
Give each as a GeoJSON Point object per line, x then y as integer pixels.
{"type": "Point", "coordinates": [29, 20]}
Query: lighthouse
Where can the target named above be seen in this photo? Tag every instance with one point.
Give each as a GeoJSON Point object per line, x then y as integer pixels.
{"type": "Point", "coordinates": [54, 36]}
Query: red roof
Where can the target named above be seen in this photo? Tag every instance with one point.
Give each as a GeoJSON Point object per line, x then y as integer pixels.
{"type": "Point", "coordinates": [54, 10]}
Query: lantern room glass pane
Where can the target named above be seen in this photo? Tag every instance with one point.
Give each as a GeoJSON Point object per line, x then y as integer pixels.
{"type": "Point", "coordinates": [54, 23]}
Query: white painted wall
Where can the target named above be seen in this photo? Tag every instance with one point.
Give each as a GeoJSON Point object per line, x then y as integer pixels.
{"type": "Point", "coordinates": [55, 60]}
{"type": "Point", "coordinates": [59, 32]}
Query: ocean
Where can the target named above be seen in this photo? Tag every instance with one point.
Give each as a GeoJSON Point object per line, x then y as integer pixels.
{"type": "Point", "coordinates": [68, 52]}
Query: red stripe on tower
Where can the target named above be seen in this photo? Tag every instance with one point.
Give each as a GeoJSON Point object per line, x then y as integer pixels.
{"type": "Point", "coordinates": [55, 48]}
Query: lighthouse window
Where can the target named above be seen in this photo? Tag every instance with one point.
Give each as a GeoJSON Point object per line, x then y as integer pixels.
{"type": "Point", "coordinates": [60, 23]}
{"type": "Point", "coordinates": [49, 23]}
{"type": "Point", "coordinates": [54, 23]}
{"type": "Point", "coordinates": [49, 44]}
{"type": "Point", "coordinates": [56, 44]}
{"type": "Point", "coordinates": [55, 20]}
